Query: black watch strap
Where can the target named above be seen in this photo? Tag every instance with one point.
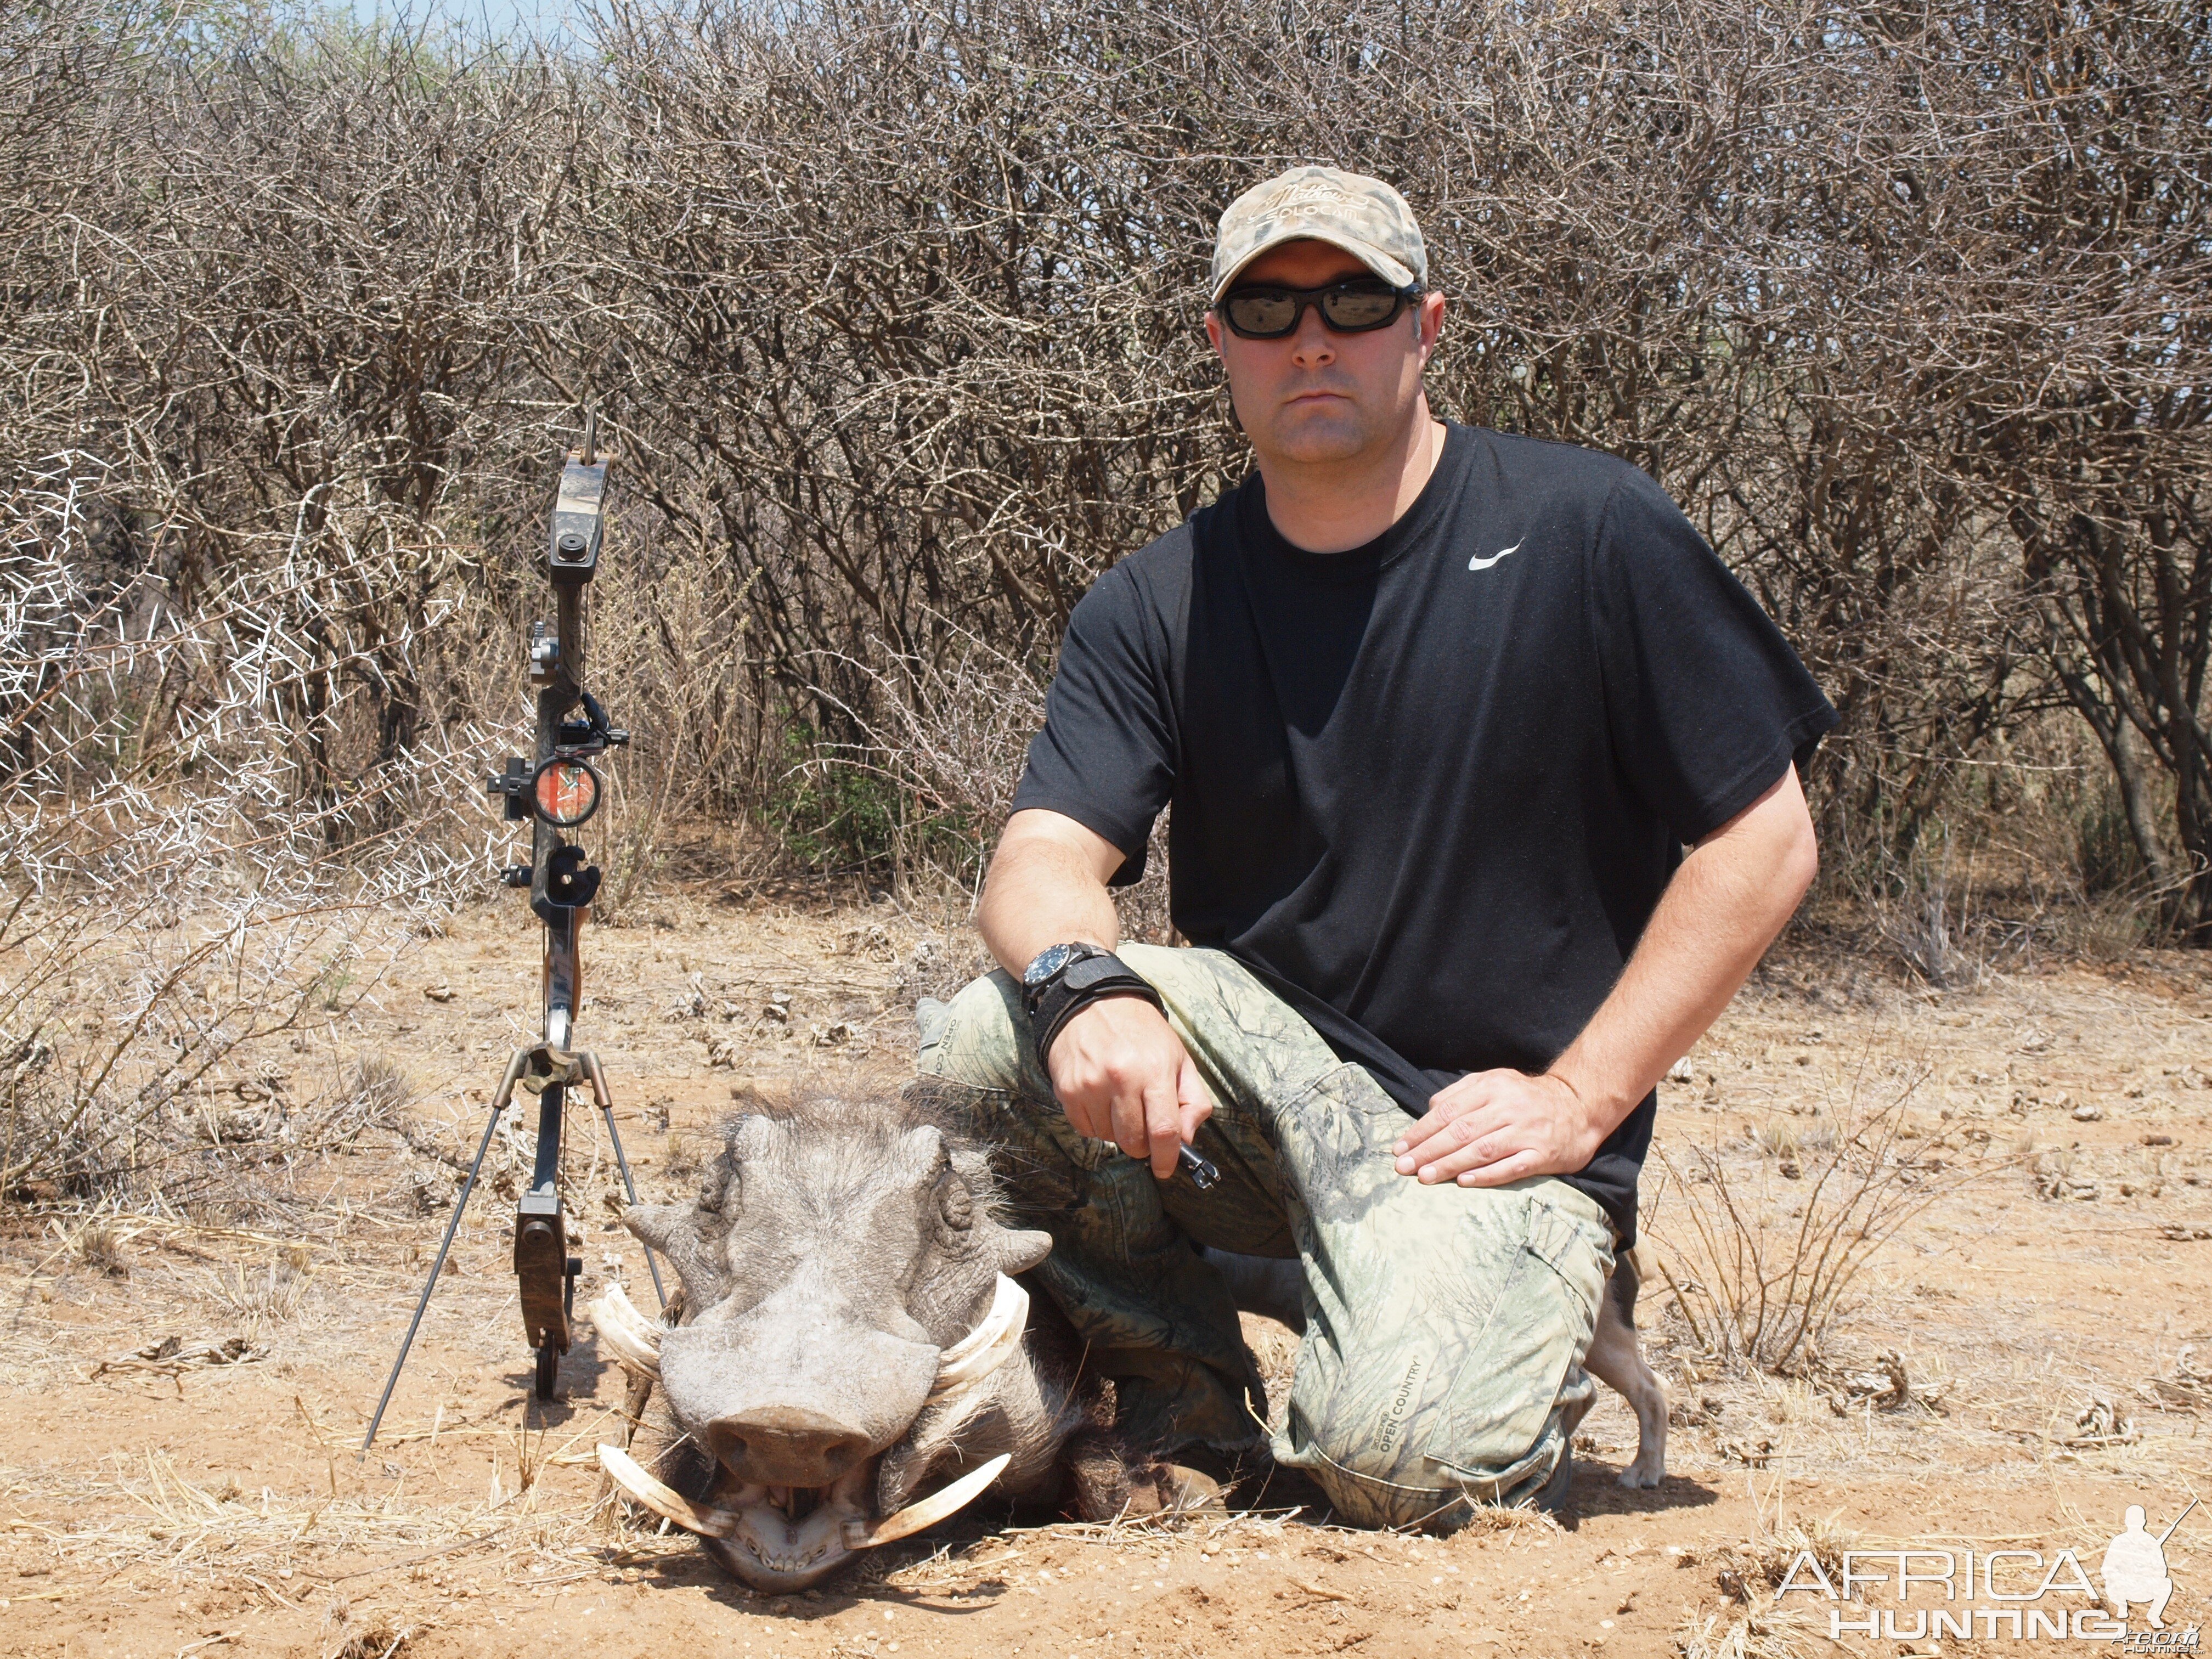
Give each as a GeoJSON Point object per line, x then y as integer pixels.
{"type": "Point", "coordinates": [1088, 978]}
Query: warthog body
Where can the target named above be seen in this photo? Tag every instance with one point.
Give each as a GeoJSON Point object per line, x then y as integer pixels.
{"type": "Point", "coordinates": [854, 1361]}
{"type": "Point", "coordinates": [851, 1337]}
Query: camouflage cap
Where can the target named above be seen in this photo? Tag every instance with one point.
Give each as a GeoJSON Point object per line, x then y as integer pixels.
{"type": "Point", "coordinates": [1364, 217]}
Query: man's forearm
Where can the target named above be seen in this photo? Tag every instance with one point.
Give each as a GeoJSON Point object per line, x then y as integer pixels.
{"type": "Point", "coordinates": [1732, 894]}
{"type": "Point", "coordinates": [1044, 889]}
{"type": "Point", "coordinates": [1118, 1069]}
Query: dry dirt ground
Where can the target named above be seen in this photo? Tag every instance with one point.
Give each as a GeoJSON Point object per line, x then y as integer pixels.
{"type": "Point", "coordinates": [153, 1502]}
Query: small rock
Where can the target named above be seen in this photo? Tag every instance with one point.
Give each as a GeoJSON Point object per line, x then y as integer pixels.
{"type": "Point", "coordinates": [2085, 1112]}
{"type": "Point", "coordinates": [1679, 1071]}
{"type": "Point", "coordinates": [2158, 1140]}
{"type": "Point", "coordinates": [1744, 1451]}
{"type": "Point", "coordinates": [439, 992]}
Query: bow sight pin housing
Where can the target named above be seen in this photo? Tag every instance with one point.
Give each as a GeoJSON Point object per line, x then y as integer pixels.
{"type": "Point", "coordinates": [562, 791]}
{"type": "Point", "coordinates": [557, 791]}
{"type": "Point", "coordinates": [565, 793]}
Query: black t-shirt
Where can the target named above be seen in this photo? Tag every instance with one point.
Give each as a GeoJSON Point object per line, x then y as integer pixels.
{"type": "Point", "coordinates": [1429, 791]}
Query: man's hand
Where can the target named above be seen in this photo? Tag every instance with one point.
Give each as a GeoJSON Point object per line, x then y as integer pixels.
{"type": "Point", "coordinates": [1118, 1067]}
{"type": "Point", "coordinates": [1122, 1075]}
{"type": "Point", "coordinates": [1491, 1128]}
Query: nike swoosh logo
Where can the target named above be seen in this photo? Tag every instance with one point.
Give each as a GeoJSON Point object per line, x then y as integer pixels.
{"type": "Point", "coordinates": [1478, 562]}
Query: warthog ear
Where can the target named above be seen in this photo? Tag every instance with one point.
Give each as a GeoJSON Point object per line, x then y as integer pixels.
{"type": "Point", "coordinates": [753, 1136]}
{"type": "Point", "coordinates": [722, 1191]}
{"type": "Point", "coordinates": [673, 1230]}
{"type": "Point", "coordinates": [955, 1203]}
{"type": "Point", "coordinates": [1019, 1249]}
{"type": "Point", "coordinates": [925, 1150]}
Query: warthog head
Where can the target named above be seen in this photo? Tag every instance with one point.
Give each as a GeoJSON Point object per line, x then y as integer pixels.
{"type": "Point", "coordinates": [845, 1279]}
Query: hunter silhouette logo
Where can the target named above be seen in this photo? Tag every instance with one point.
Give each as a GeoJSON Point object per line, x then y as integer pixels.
{"type": "Point", "coordinates": [2024, 1594]}
{"type": "Point", "coordinates": [2134, 1568]}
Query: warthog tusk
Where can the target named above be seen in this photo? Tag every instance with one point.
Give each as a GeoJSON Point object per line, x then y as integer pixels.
{"type": "Point", "coordinates": [634, 1339]}
{"type": "Point", "coordinates": [710, 1523]}
{"type": "Point", "coordinates": [915, 1516]}
{"type": "Point", "coordinates": [665, 1501]}
{"type": "Point", "coordinates": [987, 1347]}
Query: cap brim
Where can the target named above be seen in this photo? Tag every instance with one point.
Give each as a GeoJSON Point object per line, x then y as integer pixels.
{"type": "Point", "coordinates": [1374, 259]}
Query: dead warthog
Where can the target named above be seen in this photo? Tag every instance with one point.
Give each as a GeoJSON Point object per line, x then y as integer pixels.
{"type": "Point", "coordinates": [850, 1333]}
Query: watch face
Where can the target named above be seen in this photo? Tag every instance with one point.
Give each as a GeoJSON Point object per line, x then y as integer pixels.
{"type": "Point", "coordinates": [1049, 961]}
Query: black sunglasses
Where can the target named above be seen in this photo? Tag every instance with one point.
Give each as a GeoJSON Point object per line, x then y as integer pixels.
{"type": "Point", "coordinates": [1352, 306]}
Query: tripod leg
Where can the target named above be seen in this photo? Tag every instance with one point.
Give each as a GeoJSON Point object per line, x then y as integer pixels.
{"type": "Point", "coordinates": [453, 1226]}
{"type": "Point", "coordinates": [606, 1105]}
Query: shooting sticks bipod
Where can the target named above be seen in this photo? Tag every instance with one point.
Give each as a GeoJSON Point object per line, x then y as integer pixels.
{"type": "Point", "coordinates": [556, 791]}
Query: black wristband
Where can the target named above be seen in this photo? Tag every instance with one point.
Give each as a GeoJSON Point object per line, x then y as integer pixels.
{"type": "Point", "coordinates": [1091, 979]}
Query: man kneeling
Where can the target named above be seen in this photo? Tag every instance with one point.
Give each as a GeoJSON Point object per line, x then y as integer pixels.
{"type": "Point", "coordinates": [1437, 710]}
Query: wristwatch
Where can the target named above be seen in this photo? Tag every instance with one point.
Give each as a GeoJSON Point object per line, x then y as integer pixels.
{"type": "Point", "coordinates": [1063, 979]}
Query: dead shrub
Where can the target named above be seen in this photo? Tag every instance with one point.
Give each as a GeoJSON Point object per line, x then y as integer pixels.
{"type": "Point", "coordinates": [1759, 1258]}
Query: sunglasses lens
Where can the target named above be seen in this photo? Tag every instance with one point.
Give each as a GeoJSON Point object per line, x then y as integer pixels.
{"type": "Point", "coordinates": [1359, 308]}
{"type": "Point", "coordinates": [1262, 311]}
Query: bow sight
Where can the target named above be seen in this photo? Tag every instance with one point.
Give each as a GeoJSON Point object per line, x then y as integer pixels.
{"type": "Point", "coordinates": [557, 790]}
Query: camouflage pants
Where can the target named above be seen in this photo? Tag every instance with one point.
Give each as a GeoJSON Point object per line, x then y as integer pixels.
{"type": "Point", "coordinates": [1445, 1326]}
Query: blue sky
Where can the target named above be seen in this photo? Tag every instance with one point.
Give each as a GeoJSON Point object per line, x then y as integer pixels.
{"type": "Point", "coordinates": [504, 17]}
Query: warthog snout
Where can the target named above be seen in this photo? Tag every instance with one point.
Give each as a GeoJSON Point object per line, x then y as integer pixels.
{"type": "Point", "coordinates": [799, 1389]}
{"type": "Point", "coordinates": [787, 1446]}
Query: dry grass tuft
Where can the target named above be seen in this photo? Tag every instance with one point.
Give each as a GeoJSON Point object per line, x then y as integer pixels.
{"type": "Point", "coordinates": [382, 1087]}
{"type": "Point", "coordinates": [373, 1635]}
{"type": "Point", "coordinates": [1748, 1575]}
{"type": "Point", "coordinates": [1497, 1517]}
{"type": "Point", "coordinates": [1757, 1628]}
{"type": "Point", "coordinates": [99, 1245]}
{"type": "Point", "coordinates": [270, 1296]}
{"type": "Point", "coordinates": [1762, 1633]}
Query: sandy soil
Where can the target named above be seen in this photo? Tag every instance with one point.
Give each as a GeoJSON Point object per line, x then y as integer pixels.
{"type": "Point", "coordinates": [162, 1503]}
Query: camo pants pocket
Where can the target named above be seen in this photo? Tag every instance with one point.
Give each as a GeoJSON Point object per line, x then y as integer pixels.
{"type": "Point", "coordinates": [1526, 1369]}
{"type": "Point", "coordinates": [1441, 1365]}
